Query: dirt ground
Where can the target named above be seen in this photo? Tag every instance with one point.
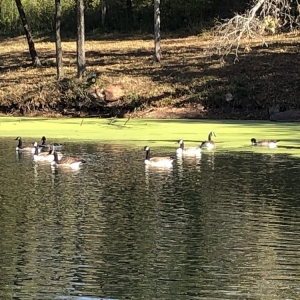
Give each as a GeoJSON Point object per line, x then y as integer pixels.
{"type": "Point", "coordinates": [198, 112]}
{"type": "Point", "coordinates": [186, 84]}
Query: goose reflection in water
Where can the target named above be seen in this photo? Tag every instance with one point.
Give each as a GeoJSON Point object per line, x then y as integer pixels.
{"type": "Point", "coordinates": [19, 155]}
{"type": "Point", "coordinates": [180, 167]}
{"type": "Point", "coordinates": [211, 160]}
{"type": "Point", "coordinates": [188, 163]}
{"type": "Point", "coordinates": [82, 298]}
{"type": "Point", "coordinates": [36, 174]}
{"type": "Point", "coordinates": [156, 178]}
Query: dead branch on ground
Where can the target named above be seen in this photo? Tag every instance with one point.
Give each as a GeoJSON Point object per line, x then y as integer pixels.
{"type": "Point", "coordinates": [265, 17]}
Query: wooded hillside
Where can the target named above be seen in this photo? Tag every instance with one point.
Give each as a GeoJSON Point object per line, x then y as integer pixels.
{"type": "Point", "coordinates": [118, 15]}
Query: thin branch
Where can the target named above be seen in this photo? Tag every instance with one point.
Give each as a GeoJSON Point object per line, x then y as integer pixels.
{"type": "Point", "coordinates": [265, 17]}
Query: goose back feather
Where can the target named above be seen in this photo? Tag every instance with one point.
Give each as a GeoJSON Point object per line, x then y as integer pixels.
{"type": "Point", "coordinates": [264, 143]}
{"type": "Point", "coordinates": [68, 161]}
{"type": "Point", "coordinates": [157, 161]}
{"type": "Point", "coordinates": [188, 151]}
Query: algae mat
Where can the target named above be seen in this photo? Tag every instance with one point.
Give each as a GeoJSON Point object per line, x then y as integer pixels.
{"type": "Point", "coordinates": [230, 135]}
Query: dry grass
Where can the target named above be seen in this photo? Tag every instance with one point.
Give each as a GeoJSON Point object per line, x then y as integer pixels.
{"type": "Point", "coordinates": [185, 78]}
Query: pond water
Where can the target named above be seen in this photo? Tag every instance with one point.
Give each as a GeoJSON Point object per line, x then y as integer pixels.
{"type": "Point", "coordinates": [222, 226]}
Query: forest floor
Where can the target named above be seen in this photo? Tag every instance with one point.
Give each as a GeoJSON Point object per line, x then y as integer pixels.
{"type": "Point", "coordinates": [188, 83]}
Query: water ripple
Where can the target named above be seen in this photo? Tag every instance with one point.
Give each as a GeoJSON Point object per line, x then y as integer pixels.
{"type": "Point", "coordinates": [220, 226]}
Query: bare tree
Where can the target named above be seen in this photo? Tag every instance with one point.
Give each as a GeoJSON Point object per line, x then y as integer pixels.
{"type": "Point", "coordinates": [157, 51]}
{"type": "Point", "coordinates": [129, 12]}
{"type": "Point", "coordinates": [80, 40]}
{"type": "Point", "coordinates": [103, 12]}
{"type": "Point", "coordinates": [264, 17]}
{"type": "Point", "coordinates": [59, 61]}
{"type": "Point", "coordinates": [35, 59]}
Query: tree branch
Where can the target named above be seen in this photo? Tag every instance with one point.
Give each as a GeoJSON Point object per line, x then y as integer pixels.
{"type": "Point", "coordinates": [265, 17]}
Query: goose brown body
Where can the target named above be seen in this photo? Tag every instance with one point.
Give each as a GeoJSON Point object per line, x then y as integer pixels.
{"type": "Point", "coordinates": [45, 156]}
{"type": "Point", "coordinates": [182, 150]}
{"type": "Point", "coordinates": [264, 143]}
{"type": "Point", "coordinates": [47, 147]}
{"type": "Point", "coordinates": [71, 161]}
{"type": "Point", "coordinates": [157, 161]}
{"type": "Point", "coordinates": [209, 144]}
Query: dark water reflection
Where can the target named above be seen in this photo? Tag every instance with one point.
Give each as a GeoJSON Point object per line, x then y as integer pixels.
{"type": "Point", "coordinates": [224, 226]}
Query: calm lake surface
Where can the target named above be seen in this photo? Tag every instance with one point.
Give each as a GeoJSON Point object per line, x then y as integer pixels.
{"type": "Point", "coordinates": [224, 226]}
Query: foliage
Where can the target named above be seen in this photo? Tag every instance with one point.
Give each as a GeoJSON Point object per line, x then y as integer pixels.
{"type": "Point", "coordinates": [40, 14]}
{"type": "Point", "coordinates": [192, 15]}
{"type": "Point", "coordinates": [9, 19]}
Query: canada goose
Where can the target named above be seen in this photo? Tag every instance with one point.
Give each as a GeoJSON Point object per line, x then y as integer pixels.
{"type": "Point", "coordinates": [44, 156]}
{"type": "Point", "coordinates": [209, 144]}
{"type": "Point", "coordinates": [20, 146]}
{"type": "Point", "coordinates": [73, 162]}
{"type": "Point", "coordinates": [46, 147]}
{"type": "Point", "coordinates": [39, 147]}
{"type": "Point", "coordinates": [159, 161]}
{"type": "Point", "coordinates": [33, 149]}
{"type": "Point", "coordinates": [264, 143]}
{"type": "Point", "coordinates": [189, 150]}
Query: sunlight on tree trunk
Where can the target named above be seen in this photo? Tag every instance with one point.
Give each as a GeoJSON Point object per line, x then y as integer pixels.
{"type": "Point", "coordinates": [103, 12]}
{"type": "Point", "coordinates": [35, 59]}
{"type": "Point", "coordinates": [59, 62]}
{"type": "Point", "coordinates": [80, 39]}
{"type": "Point", "coordinates": [157, 50]}
{"type": "Point", "coordinates": [265, 17]}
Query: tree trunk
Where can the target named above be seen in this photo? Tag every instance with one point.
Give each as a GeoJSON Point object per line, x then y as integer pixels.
{"type": "Point", "coordinates": [157, 51]}
{"type": "Point", "coordinates": [103, 12]}
{"type": "Point", "coordinates": [80, 39]}
{"type": "Point", "coordinates": [129, 13]}
{"type": "Point", "coordinates": [35, 59]}
{"type": "Point", "coordinates": [59, 61]}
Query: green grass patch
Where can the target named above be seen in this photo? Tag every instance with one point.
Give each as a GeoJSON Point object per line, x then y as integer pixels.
{"type": "Point", "coordinates": [230, 135]}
